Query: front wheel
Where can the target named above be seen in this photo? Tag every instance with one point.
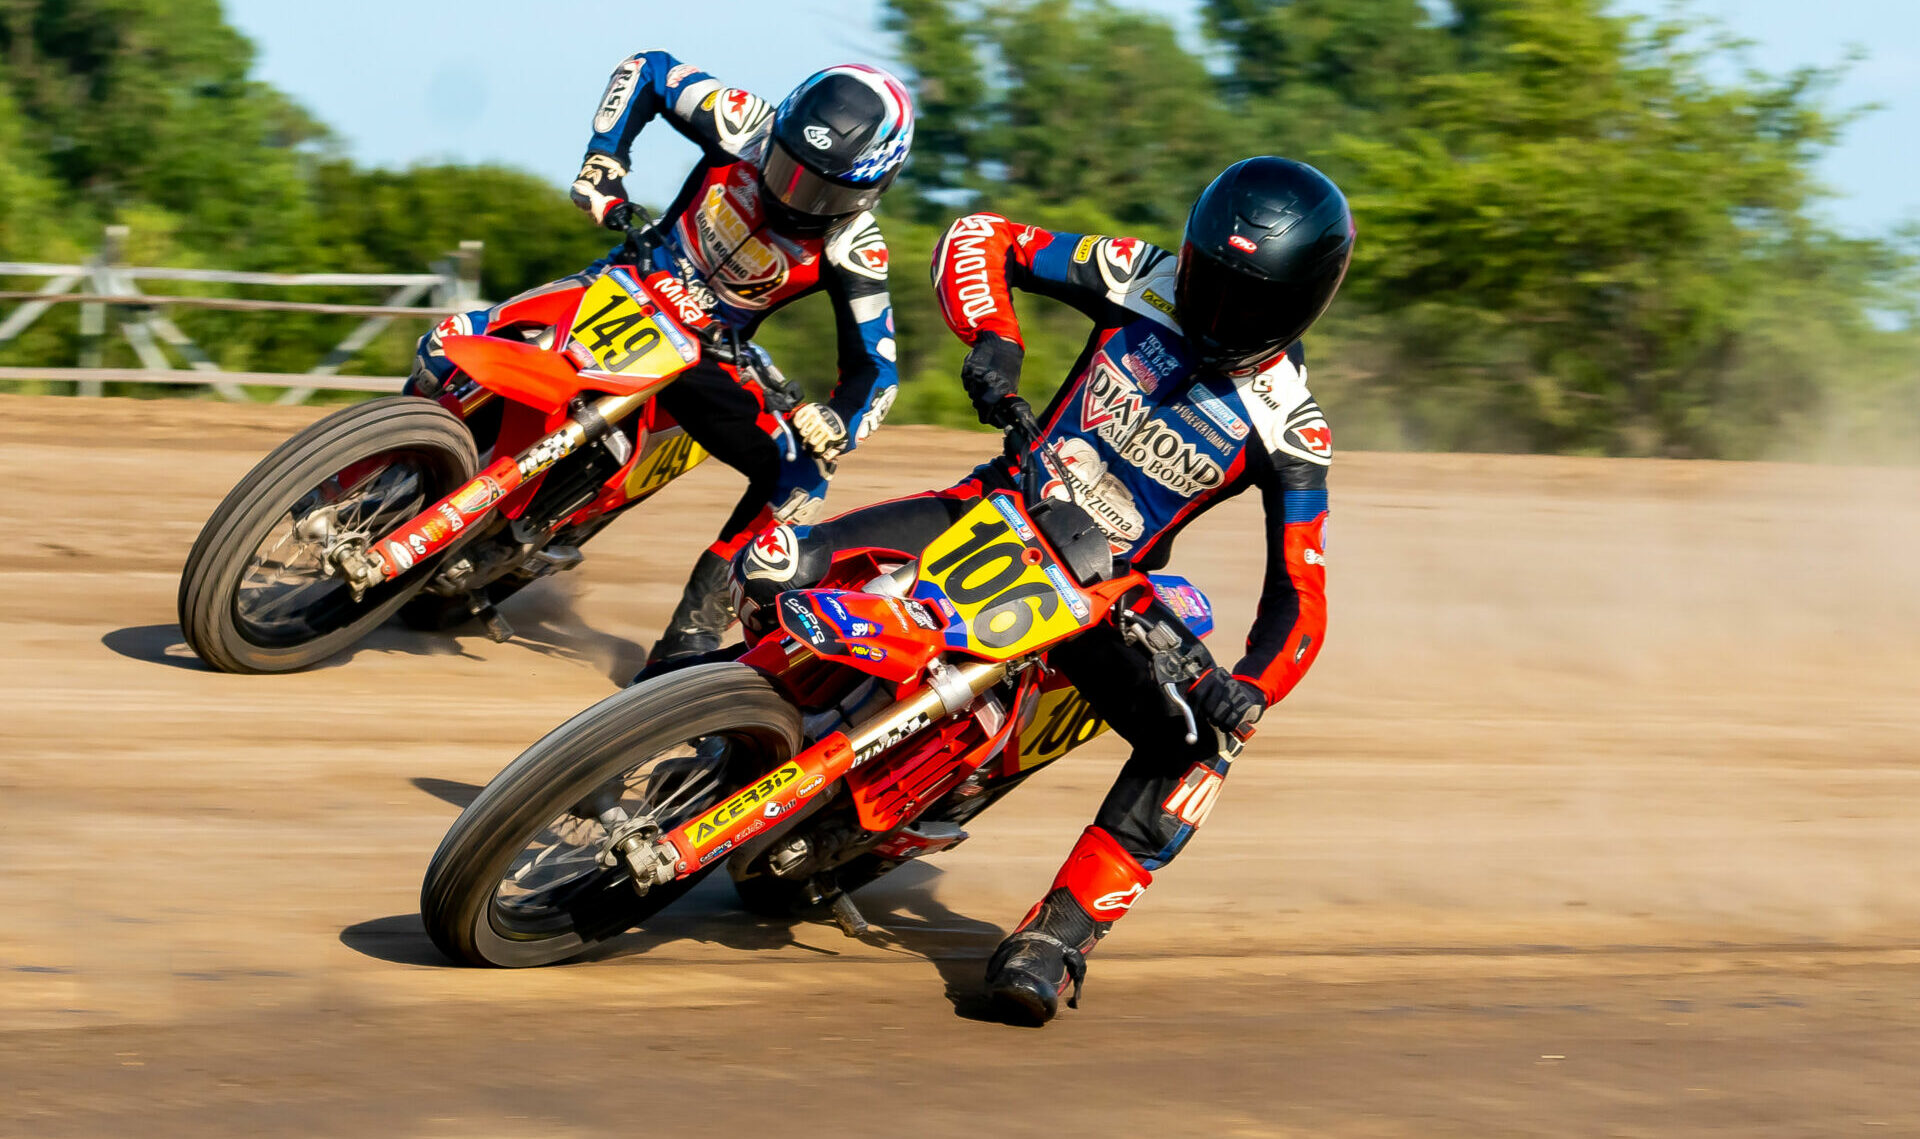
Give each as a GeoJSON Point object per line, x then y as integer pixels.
{"type": "Point", "coordinates": [256, 594]}
{"type": "Point", "coordinates": [523, 877]}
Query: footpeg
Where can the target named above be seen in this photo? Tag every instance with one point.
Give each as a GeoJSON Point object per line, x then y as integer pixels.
{"type": "Point", "coordinates": [848, 916]}
{"type": "Point", "coordinates": [558, 559]}
{"type": "Point", "coordinates": [498, 631]}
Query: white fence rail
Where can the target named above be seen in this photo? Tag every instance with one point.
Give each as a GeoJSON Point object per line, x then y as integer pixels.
{"type": "Point", "coordinates": [104, 287]}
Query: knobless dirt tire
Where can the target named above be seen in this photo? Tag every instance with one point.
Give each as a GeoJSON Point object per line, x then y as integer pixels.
{"type": "Point", "coordinates": [599, 744]}
{"type": "Point", "coordinates": [210, 581]}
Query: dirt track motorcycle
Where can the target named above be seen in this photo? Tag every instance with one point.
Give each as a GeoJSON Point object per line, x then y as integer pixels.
{"type": "Point", "coordinates": [384, 506]}
{"type": "Point", "coordinates": [896, 700]}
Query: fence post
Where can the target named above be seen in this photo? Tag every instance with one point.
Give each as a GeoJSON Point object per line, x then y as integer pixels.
{"type": "Point", "coordinates": [93, 316]}
{"type": "Point", "coordinates": [467, 262]}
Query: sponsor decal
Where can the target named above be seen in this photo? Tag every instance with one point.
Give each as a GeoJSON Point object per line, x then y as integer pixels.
{"type": "Point", "coordinates": [1314, 557]}
{"type": "Point", "coordinates": [882, 403]}
{"type": "Point", "coordinates": [818, 137]}
{"type": "Point", "coordinates": [544, 454]}
{"type": "Point", "coordinates": [863, 629]}
{"type": "Point", "coordinates": [1084, 250]}
{"type": "Point", "coordinates": [1075, 603]}
{"type": "Point", "coordinates": [809, 786]}
{"type": "Point", "coordinates": [1243, 244]}
{"type": "Point", "coordinates": [1206, 429]}
{"type": "Point", "coordinates": [619, 92]}
{"type": "Point", "coordinates": [716, 852]}
{"type": "Point", "coordinates": [866, 252]}
{"type": "Point", "coordinates": [690, 301]}
{"type": "Point", "coordinates": [453, 517]}
{"type": "Point", "coordinates": [435, 529]}
{"type": "Point", "coordinates": [708, 826]}
{"type": "Point", "coordinates": [919, 615]}
{"type": "Point", "coordinates": [1101, 493]}
{"type": "Point", "coordinates": [1119, 901]}
{"type": "Point", "coordinates": [1142, 375]}
{"type": "Point", "coordinates": [1157, 301]}
{"type": "Point", "coordinates": [679, 74]}
{"type": "Point", "coordinates": [775, 809]}
{"type": "Point", "coordinates": [749, 267]}
{"type": "Point", "coordinates": [804, 620]}
{"type": "Point", "coordinates": [1193, 800]}
{"type": "Point", "coordinates": [1111, 406]}
{"type": "Point", "coordinates": [893, 737]}
{"type": "Point", "coordinates": [1316, 437]}
{"type": "Point", "coordinates": [1216, 409]}
{"type": "Point", "coordinates": [1119, 260]}
{"type": "Point", "coordinates": [401, 556]}
{"type": "Point", "coordinates": [1157, 357]}
{"type": "Point", "coordinates": [966, 269]}
{"type": "Point", "coordinates": [774, 555]}
{"type": "Point", "coordinates": [835, 610]}
{"type": "Point", "coordinates": [418, 544]}
{"type": "Point", "coordinates": [1012, 514]}
{"type": "Point", "coordinates": [706, 104]}
{"type": "Point", "coordinates": [868, 652]}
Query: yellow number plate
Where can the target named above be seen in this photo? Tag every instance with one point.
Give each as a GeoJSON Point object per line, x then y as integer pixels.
{"type": "Point", "coordinates": [1062, 721]}
{"type": "Point", "coordinates": [1011, 602]}
{"type": "Point", "coordinates": [668, 456]}
{"type": "Point", "coordinates": [622, 337]}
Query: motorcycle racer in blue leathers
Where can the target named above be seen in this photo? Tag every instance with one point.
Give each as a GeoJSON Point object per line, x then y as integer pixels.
{"type": "Point", "coordinates": [778, 207]}
{"type": "Point", "coordinates": [1191, 389]}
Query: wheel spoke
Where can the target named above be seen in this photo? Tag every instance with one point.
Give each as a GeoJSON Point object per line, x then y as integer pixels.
{"type": "Point", "coordinates": [663, 790]}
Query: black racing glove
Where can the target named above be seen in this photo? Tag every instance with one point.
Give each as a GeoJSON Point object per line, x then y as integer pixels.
{"type": "Point", "coordinates": [1228, 702]}
{"type": "Point", "coordinates": [991, 373]}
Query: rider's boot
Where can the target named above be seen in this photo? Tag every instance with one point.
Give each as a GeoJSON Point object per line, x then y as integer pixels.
{"type": "Point", "coordinates": [698, 622]}
{"type": "Point", "coordinates": [1034, 965]}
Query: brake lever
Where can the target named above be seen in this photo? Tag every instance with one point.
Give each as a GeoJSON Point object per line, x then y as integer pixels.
{"type": "Point", "coordinates": [1179, 704]}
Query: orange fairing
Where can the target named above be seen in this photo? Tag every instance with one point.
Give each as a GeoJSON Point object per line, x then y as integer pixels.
{"type": "Point", "coordinates": [890, 638]}
{"type": "Point", "coordinates": [537, 377]}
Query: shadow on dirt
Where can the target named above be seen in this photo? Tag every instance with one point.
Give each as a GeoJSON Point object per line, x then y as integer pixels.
{"type": "Point", "coordinates": [543, 620]}
{"type": "Point", "coordinates": [448, 790]}
{"type": "Point", "coordinates": [907, 919]}
{"type": "Point", "coordinates": [155, 644]}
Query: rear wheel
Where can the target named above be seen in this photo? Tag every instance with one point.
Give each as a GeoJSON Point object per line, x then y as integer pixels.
{"type": "Point", "coordinates": [525, 876]}
{"type": "Point", "coordinates": [255, 595]}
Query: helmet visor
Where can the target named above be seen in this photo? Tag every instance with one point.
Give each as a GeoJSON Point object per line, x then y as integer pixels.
{"type": "Point", "coordinates": [1237, 318]}
{"type": "Point", "coordinates": [802, 191]}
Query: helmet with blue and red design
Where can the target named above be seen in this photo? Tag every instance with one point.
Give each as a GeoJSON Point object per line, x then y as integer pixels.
{"type": "Point", "coordinates": [837, 143]}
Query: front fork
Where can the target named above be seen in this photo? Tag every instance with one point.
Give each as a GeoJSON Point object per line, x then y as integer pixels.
{"type": "Point", "coordinates": [434, 530]}
{"type": "Point", "coordinates": [656, 859]}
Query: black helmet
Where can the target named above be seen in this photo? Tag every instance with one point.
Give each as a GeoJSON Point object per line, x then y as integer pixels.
{"type": "Point", "coordinates": [1266, 247]}
{"type": "Point", "coordinates": [836, 144]}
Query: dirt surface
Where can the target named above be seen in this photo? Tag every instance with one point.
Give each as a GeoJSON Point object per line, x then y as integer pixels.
{"type": "Point", "coordinates": [1597, 817]}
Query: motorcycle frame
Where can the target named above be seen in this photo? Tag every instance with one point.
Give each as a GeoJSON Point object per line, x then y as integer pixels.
{"type": "Point", "coordinates": [555, 401]}
{"type": "Point", "coordinates": [892, 736]}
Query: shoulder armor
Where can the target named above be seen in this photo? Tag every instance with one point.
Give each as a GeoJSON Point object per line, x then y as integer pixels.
{"type": "Point", "coordinates": [857, 246]}
{"type": "Point", "coordinates": [1285, 415]}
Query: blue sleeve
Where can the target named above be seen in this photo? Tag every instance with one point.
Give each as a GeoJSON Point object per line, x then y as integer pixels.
{"type": "Point", "coordinates": [855, 275]}
{"type": "Point", "coordinates": [648, 84]}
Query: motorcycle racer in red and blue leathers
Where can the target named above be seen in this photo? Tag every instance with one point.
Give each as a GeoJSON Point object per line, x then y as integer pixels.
{"type": "Point", "coordinates": [778, 207]}
{"type": "Point", "coordinates": [1191, 389]}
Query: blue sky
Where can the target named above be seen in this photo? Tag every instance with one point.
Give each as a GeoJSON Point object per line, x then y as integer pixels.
{"type": "Point", "coordinates": [490, 80]}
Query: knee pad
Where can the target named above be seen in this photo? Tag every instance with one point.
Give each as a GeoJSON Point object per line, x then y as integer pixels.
{"type": "Point", "coordinates": [431, 368]}
{"type": "Point", "coordinates": [778, 559]}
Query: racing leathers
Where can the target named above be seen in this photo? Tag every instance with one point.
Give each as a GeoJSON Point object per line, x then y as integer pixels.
{"type": "Point", "coordinates": [719, 253]}
{"type": "Point", "coordinates": [1145, 440]}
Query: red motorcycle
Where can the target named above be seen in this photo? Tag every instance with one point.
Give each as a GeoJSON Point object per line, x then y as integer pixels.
{"type": "Point", "coordinates": [385, 507]}
{"type": "Point", "coordinates": [895, 701]}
